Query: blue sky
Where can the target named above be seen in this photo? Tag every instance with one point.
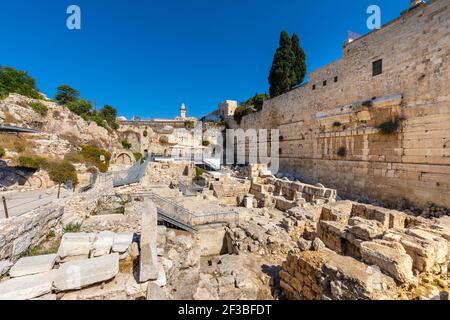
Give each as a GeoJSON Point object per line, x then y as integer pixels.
{"type": "Point", "coordinates": [145, 57]}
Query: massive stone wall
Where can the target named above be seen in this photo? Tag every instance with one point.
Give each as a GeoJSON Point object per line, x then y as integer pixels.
{"type": "Point", "coordinates": [330, 131]}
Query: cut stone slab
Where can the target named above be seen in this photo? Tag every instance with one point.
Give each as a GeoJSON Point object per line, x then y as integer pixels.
{"type": "Point", "coordinates": [28, 287]}
{"type": "Point", "coordinates": [33, 265]}
{"type": "Point", "coordinates": [76, 244]}
{"type": "Point", "coordinates": [78, 274]}
{"type": "Point", "coordinates": [49, 297]}
{"type": "Point", "coordinates": [149, 253]}
{"type": "Point", "coordinates": [5, 265]}
{"type": "Point", "coordinates": [122, 241]}
{"type": "Point", "coordinates": [391, 258]}
{"type": "Point", "coordinates": [103, 243]}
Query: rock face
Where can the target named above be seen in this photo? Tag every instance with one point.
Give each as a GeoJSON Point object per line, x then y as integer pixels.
{"type": "Point", "coordinates": [149, 254]}
{"type": "Point", "coordinates": [28, 287]}
{"type": "Point", "coordinates": [33, 265]}
{"type": "Point", "coordinates": [78, 274]}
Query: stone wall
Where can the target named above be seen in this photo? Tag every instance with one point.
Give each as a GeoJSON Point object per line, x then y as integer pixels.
{"type": "Point", "coordinates": [19, 233]}
{"type": "Point", "coordinates": [331, 134]}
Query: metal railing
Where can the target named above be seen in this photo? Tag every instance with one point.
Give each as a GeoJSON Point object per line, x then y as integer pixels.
{"type": "Point", "coordinates": [174, 213]}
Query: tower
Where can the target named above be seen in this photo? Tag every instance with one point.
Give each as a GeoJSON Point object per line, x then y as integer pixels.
{"type": "Point", "coordinates": [183, 111]}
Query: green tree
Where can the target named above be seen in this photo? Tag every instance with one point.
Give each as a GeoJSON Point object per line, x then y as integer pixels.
{"type": "Point", "coordinates": [282, 72]}
{"type": "Point", "coordinates": [300, 61]}
{"type": "Point", "coordinates": [109, 113]}
{"type": "Point", "coordinates": [66, 94]}
{"type": "Point", "coordinates": [16, 81]}
{"type": "Point", "coordinates": [63, 172]}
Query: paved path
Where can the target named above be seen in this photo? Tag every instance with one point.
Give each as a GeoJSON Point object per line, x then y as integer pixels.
{"type": "Point", "coordinates": [19, 203]}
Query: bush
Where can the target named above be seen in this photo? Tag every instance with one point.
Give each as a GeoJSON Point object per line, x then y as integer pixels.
{"type": "Point", "coordinates": [91, 155]}
{"type": "Point", "coordinates": [257, 101]}
{"type": "Point", "coordinates": [390, 127]}
{"type": "Point", "coordinates": [16, 81]}
{"type": "Point", "coordinates": [189, 124]}
{"type": "Point", "coordinates": [337, 124]}
{"type": "Point", "coordinates": [63, 172]}
{"type": "Point", "coordinates": [138, 156]}
{"type": "Point", "coordinates": [80, 107]}
{"type": "Point", "coordinates": [342, 152]}
{"type": "Point", "coordinates": [199, 171]}
{"type": "Point", "coordinates": [2, 152]}
{"type": "Point", "coordinates": [205, 143]}
{"type": "Point", "coordinates": [66, 94]}
{"type": "Point", "coordinates": [145, 133]}
{"type": "Point", "coordinates": [126, 144]}
{"type": "Point", "coordinates": [72, 228]}
{"type": "Point", "coordinates": [39, 108]}
{"type": "Point", "coordinates": [163, 140]}
{"type": "Point", "coordinates": [240, 112]}
{"type": "Point", "coordinates": [33, 162]}
{"type": "Point", "coordinates": [367, 103]}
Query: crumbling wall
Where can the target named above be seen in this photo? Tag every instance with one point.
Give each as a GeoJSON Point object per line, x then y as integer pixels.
{"type": "Point", "coordinates": [330, 134]}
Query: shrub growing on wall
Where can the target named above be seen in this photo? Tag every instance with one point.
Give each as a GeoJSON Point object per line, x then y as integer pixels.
{"type": "Point", "coordinates": [2, 152]}
{"type": "Point", "coordinates": [163, 140]}
{"type": "Point", "coordinates": [391, 126]}
{"type": "Point", "coordinates": [126, 144]}
{"type": "Point", "coordinates": [342, 152]}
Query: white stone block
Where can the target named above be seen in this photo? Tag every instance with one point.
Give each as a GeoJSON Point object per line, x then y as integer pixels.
{"type": "Point", "coordinates": [103, 243]}
{"type": "Point", "coordinates": [79, 274]}
{"type": "Point", "coordinates": [122, 241]}
{"type": "Point", "coordinates": [76, 244]}
{"type": "Point", "coordinates": [29, 287]}
{"type": "Point", "coordinates": [33, 265]}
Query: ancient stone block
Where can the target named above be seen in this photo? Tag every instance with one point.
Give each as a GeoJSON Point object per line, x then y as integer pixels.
{"type": "Point", "coordinates": [78, 274]}
{"type": "Point", "coordinates": [149, 256]}
{"type": "Point", "coordinates": [28, 287]}
{"type": "Point", "coordinates": [32, 265]}
{"type": "Point", "coordinates": [103, 243]}
{"type": "Point", "coordinates": [76, 244]}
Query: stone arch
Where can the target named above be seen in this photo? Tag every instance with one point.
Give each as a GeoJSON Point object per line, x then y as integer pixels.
{"type": "Point", "coordinates": [125, 158]}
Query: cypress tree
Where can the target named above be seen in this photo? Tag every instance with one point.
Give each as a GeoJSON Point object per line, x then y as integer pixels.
{"type": "Point", "coordinates": [300, 61]}
{"type": "Point", "coordinates": [282, 71]}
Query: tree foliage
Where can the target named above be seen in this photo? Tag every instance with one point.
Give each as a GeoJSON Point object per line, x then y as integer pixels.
{"type": "Point", "coordinates": [288, 66]}
{"type": "Point", "coordinates": [66, 94]}
{"type": "Point", "coordinates": [16, 81]}
{"type": "Point", "coordinates": [63, 172]}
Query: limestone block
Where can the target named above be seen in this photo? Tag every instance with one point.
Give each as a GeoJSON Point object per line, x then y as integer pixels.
{"type": "Point", "coordinates": [122, 241]}
{"type": "Point", "coordinates": [28, 287]}
{"type": "Point", "coordinates": [103, 243]}
{"type": "Point", "coordinates": [439, 245]}
{"type": "Point", "coordinates": [365, 229]}
{"type": "Point", "coordinates": [162, 279]}
{"type": "Point", "coordinates": [78, 274]}
{"type": "Point", "coordinates": [5, 266]}
{"type": "Point", "coordinates": [149, 256]}
{"type": "Point", "coordinates": [76, 244]}
{"type": "Point", "coordinates": [32, 265]}
{"type": "Point", "coordinates": [391, 259]}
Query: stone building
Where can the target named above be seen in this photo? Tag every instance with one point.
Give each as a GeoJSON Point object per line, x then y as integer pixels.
{"type": "Point", "coordinates": [375, 123]}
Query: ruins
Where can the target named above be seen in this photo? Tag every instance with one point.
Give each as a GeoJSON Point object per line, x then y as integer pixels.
{"type": "Point", "coordinates": [359, 209]}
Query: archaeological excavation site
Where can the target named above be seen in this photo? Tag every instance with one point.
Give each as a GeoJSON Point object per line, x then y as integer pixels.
{"type": "Point", "coordinates": [337, 188]}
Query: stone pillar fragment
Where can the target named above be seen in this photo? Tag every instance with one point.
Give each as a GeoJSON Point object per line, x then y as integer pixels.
{"type": "Point", "coordinates": [149, 254]}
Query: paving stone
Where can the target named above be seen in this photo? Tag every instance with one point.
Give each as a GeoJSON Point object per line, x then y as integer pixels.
{"type": "Point", "coordinates": [78, 274]}
{"type": "Point", "coordinates": [28, 287]}
{"type": "Point", "coordinates": [33, 265]}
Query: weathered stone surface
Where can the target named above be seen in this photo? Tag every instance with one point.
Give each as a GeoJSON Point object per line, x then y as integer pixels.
{"type": "Point", "coordinates": [46, 297]}
{"type": "Point", "coordinates": [103, 243]}
{"type": "Point", "coordinates": [365, 229]}
{"type": "Point", "coordinates": [33, 265]}
{"type": "Point", "coordinates": [79, 274]}
{"type": "Point", "coordinates": [28, 287]}
{"type": "Point", "coordinates": [303, 244]}
{"type": "Point", "coordinates": [318, 245]}
{"type": "Point", "coordinates": [76, 244]}
{"type": "Point", "coordinates": [390, 257]}
{"type": "Point", "coordinates": [155, 292]}
{"type": "Point", "coordinates": [122, 242]}
{"type": "Point", "coordinates": [149, 256]}
{"type": "Point", "coordinates": [4, 267]}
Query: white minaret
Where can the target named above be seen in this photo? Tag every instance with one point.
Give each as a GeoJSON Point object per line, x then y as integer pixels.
{"type": "Point", "coordinates": [183, 111]}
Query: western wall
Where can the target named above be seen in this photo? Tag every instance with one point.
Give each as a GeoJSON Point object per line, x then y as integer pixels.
{"type": "Point", "coordinates": [394, 78]}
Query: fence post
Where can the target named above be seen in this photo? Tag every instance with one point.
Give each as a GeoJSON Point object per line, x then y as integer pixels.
{"type": "Point", "coordinates": [5, 207]}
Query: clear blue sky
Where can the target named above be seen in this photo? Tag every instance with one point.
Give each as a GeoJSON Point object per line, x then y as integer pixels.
{"type": "Point", "coordinates": [146, 56]}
